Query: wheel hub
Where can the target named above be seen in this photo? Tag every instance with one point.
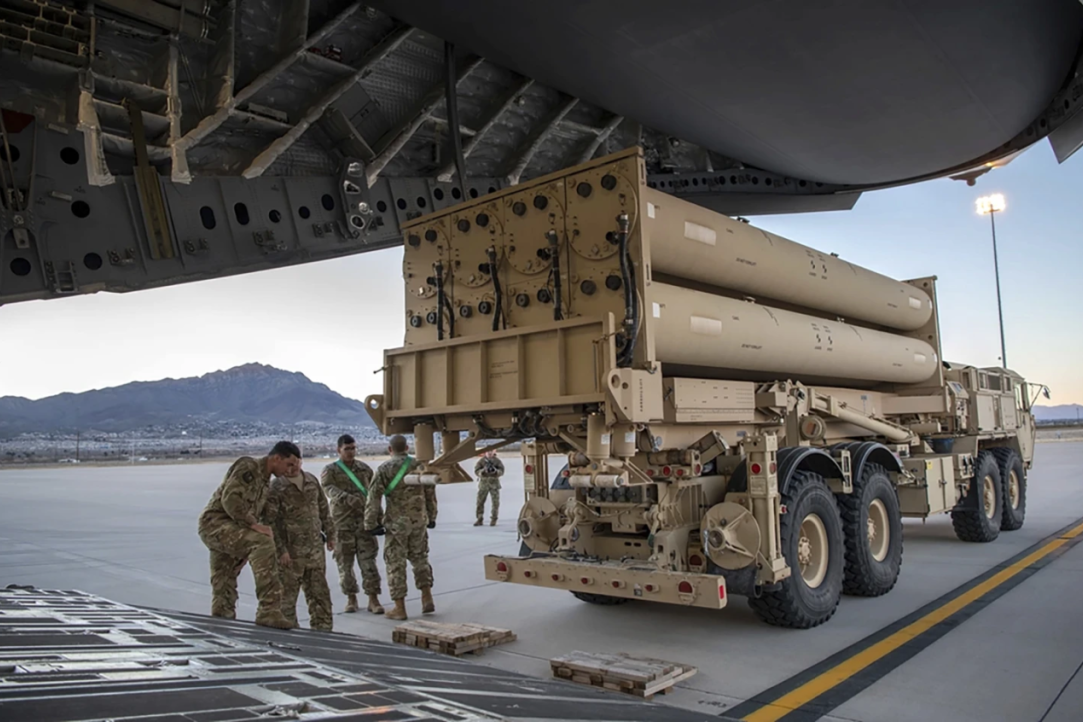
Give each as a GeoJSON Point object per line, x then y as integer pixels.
{"type": "Point", "coordinates": [1013, 489]}
{"type": "Point", "coordinates": [878, 530]}
{"type": "Point", "coordinates": [989, 496]}
{"type": "Point", "coordinates": [812, 551]}
{"type": "Point", "coordinates": [804, 552]}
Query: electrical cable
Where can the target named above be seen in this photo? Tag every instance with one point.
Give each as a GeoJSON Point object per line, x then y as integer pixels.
{"type": "Point", "coordinates": [498, 312]}
{"type": "Point", "coordinates": [554, 270]}
{"type": "Point", "coordinates": [631, 306]}
{"type": "Point", "coordinates": [633, 303]}
{"type": "Point", "coordinates": [450, 316]}
{"type": "Point", "coordinates": [568, 265]}
{"type": "Point", "coordinates": [453, 116]}
{"type": "Point", "coordinates": [438, 268]}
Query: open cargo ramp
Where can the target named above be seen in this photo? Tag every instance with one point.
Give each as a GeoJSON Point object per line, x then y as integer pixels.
{"type": "Point", "coordinates": [66, 656]}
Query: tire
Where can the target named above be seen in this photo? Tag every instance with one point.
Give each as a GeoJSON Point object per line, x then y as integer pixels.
{"type": "Point", "coordinates": [872, 566]}
{"type": "Point", "coordinates": [1015, 503]}
{"type": "Point", "coordinates": [797, 603]}
{"type": "Point", "coordinates": [599, 599]}
{"type": "Point", "coordinates": [980, 521]}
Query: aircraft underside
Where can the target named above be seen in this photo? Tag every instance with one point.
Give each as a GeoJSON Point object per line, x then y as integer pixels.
{"type": "Point", "coordinates": [152, 143]}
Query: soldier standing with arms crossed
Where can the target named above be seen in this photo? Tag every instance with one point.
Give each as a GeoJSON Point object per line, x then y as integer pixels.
{"type": "Point", "coordinates": [346, 483]}
{"type": "Point", "coordinates": [229, 527]}
{"type": "Point", "coordinates": [411, 510]}
{"type": "Point", "coordinates": [488, 470]}
{"type": "Point", "coordinates": [297, 512]}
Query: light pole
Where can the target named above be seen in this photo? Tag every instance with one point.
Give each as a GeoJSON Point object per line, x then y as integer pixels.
{"type": "Point", "coordinates": [990, 205]}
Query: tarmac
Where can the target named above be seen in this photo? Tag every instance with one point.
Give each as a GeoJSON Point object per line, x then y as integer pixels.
{"type": "Point", "coordinates": [980, 631]}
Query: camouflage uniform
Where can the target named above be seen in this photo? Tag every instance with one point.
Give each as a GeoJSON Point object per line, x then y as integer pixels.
{"type": "Point", "coordinates": [409, 511]}
{"type": "Point", "coordinates": [224, 527]}
{"type": "Point", "coordinates": [298, 516]}
{"type": "Point", "coordinates": [348, 512]}
{"type": "Point", "coordinates": [488, 472]}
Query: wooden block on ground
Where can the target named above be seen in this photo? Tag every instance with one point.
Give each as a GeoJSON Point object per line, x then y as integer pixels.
{"type": "Point", "coordinates": [642, 677]}
{"type": "Point", "coordinates": [450, 638]}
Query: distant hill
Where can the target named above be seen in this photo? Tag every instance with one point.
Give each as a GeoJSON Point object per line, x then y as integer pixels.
{"type": "Point", "coordinates": [1064, 412]}
{"type": "Point", "coordinates": [252, 393]}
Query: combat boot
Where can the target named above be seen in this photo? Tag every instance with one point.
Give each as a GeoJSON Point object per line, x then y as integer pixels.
{"type": "Point", "coordinates": [427, 604]}
{"type": "Point", "coordinates": [399, 612]}
{"type": "Point", "coordinates": [274, 619]}
{"type": "Point", "coordinates": [351, 602]}
{"type": "Point", "coordinates": [478, 522]}
{"type": "Point", "coordinates": [492, 523]}
{"type": "Point", "coordinates": [374, 604]}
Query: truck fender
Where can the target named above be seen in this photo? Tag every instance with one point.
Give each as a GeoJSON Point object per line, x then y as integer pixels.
{"type": "Point", "coordinates": [805, 458]}
{"type": "Point", "coordinates": [864, 452]}
{"type": "Point", "coordinates": [790, 460]}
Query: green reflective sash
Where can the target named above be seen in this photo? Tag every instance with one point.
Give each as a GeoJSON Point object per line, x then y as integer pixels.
{"type": "Point", "coordinates": [353, 478]}
{"type": "Point", "coordinates": [399, 476]}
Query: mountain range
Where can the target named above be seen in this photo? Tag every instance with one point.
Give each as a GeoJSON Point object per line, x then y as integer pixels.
{"type": "Point", "coordinates": [252, 393]}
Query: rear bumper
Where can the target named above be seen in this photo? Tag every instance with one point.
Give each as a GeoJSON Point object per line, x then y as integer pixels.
{"type": "Point", "coordinates": [610, 579]}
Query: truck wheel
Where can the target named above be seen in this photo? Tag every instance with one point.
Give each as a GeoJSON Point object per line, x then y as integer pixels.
{"type": "Point", "coordinates": [874, 542]}
{"type": "Point", "coordinates": [980, 521]}
{"type": "Point", "coordinates": [599, 598]}
{"type": "Point", "coordinates": [812, 543]}
{"type": "Point", "coordinates": [1015, 488]}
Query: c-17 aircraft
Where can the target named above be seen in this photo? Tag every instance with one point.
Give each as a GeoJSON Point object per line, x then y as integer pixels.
{"type": "Point", "coordinates": [148, 143]}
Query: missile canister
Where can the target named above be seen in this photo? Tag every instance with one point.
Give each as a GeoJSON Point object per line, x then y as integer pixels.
{"type": "Point", "coordinates": [701, 329]}
{"type": "Point", "coordinates": [692, 242]}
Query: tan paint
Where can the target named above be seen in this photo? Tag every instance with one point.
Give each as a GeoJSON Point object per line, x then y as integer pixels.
{"type": "Point", "coordinates": [824, 352]}
{"type": "Point", "coordinates": [516, 224]}
{"type": "Point", "coordinates": [613, 579]}
{"type": "Point", "coordinates": [701, 329]}
{"type": "Point", "coordinates": [696, 243]}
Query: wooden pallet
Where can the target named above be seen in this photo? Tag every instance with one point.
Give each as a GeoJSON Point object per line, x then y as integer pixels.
{"type": "Point", "coordinates": [639, 676]}
{"type": "Point", "coordinates": [454, 639]}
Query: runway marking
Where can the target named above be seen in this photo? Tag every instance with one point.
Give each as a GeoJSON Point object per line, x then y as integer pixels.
{"type": "Point", "coordinates": [815, 692]}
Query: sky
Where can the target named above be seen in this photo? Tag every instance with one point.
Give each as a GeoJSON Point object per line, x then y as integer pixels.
{"type": "Point", "coordinates": [331, 320]}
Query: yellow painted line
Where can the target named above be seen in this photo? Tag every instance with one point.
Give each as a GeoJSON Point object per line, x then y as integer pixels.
{"type": "Point", "coordinates": [1073, 533]}
{"type": "Point", "coordinates": [844, 670]}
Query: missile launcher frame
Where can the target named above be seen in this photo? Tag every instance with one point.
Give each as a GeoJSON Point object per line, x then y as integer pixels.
{"type": "Point", "coordinates": [738, 414]}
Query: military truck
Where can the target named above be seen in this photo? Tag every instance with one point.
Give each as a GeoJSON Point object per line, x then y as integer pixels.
{"type": "Point", "coordinates": [740, 414]}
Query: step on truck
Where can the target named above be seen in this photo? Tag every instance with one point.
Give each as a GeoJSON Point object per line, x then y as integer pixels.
{"type": "Point", "coordinates": [738, 414]}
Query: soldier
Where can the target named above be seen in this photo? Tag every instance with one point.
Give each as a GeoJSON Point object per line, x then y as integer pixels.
{"type": "Point", "coordinates": [346, 483]}
{"type": "Point", "coordinates": [229, 527]}
{"type": "Point", "coordinates": [488, 470]}
{"type": "Point", "coordinates": [410, 511]}
{"type": "Point", "coordinates": [297, 512]}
